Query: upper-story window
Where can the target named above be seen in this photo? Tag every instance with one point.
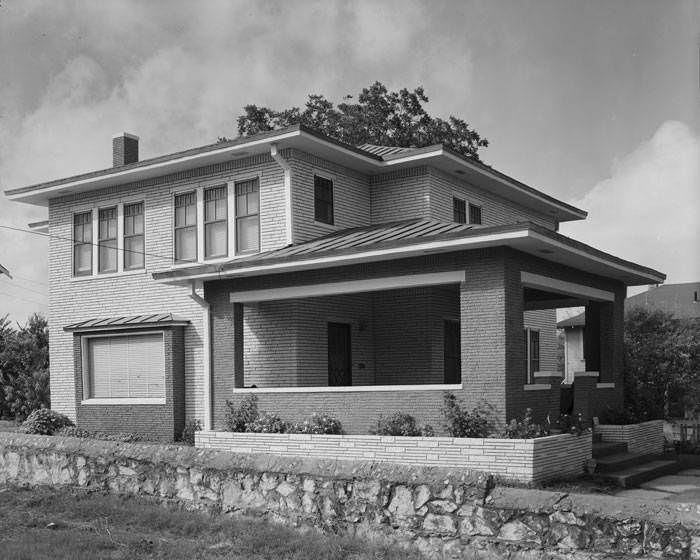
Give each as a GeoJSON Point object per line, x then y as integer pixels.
{"type": "Point", "coordinates": [215, 222]}
{"type": "Point", "coordinates": [459, 210]}
{"type": "Point", "coordinates": [323, 200]}
{"type": "Point", "coordinates": [134, 245]}
{"type": "Point", "coordinates": [186, 227]}
{"type": "Point", "coordinates": [82, 244]}
{"type": "Point", "coordinates": [474, 214]}
{"type": "Point", "coordinates": [248, 216]}
{"type": "Point", "coordinates": [107, 240]}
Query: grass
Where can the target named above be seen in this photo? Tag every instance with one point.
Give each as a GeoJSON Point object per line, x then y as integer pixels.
{"type": "Point", "coordinates": [45, 522]}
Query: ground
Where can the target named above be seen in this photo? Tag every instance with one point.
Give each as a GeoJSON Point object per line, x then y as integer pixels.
{"type": "Point", "coordinates": [42, 523]}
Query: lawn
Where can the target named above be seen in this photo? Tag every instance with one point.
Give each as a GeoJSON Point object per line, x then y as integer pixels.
{"type": "Point", "coordinates": [44, 522]}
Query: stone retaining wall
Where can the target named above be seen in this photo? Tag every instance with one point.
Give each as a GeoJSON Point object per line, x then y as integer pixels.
{"type": "Point", "coordinates": [446, 513]}
{"type": "Point", "coordinates": [646, 438]}
{"type": "Point", "coordinates": [522, 460]}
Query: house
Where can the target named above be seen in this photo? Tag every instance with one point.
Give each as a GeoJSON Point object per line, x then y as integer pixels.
{"type": "Point", "coordinates": [681, 300]}
{"type": "Point", "coordinates": [319, 276]}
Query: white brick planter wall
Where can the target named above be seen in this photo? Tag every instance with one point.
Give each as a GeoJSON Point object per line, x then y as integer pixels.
{"type": "Point", "coordinates": [523, 460]}
{"type": "Point", "coordinates": [646, 438]}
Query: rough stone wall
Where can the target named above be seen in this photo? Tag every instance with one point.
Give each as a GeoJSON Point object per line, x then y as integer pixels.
{"type": "Point", "coordinates": [447, 514]}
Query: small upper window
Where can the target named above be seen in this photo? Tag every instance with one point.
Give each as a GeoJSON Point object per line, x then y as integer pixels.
{"type": "Point", "coordinates": [186, 227]}
{"type": "Point", "coordinates": [82, 244]}
{"type": "Point", "coordinates": [474, 214]}
{"type": "Point", "coordinates": [133, 236]}
{"type": "Point", "coordinates": [323, 200]}
{"type": "Point", "coordinates": [248, 216]}
{"type": "Point", "coordinates": [107, 240]}
{"type": "Point", "coordinates": [215, 222]}
{"type": "Point", "coordinates": [459, 211]}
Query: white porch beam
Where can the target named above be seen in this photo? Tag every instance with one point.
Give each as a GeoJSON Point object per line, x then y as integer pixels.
{"type": "Point", "coordinates": [349, 287]}
{"type": "Point", "coordinates": [546, 283]}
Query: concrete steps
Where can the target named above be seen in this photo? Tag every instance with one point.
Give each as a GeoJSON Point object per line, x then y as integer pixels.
{"type": "Point", "coordinates": [632, 477]}
{"type": "Point", "coordinates": [628, 470]}
{"type": "Point", "coordinates": [605, 449]}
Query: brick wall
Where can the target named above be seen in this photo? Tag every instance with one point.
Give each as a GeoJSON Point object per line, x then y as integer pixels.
{"type": "Point", "coordinates": [646, 438]}
{"type": "Point", "coordinates": [522, 460]}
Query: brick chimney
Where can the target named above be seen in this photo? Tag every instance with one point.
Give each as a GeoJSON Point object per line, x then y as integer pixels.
{"type": "Point", "coordinates": [125, 149]}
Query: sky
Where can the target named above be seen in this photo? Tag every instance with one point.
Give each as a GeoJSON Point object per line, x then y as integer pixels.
{"type": "Point", "coordinates": [594, 102]}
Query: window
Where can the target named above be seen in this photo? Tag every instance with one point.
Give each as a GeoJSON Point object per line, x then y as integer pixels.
{"type": "Point", "coordinates": [133, 236]}
{"type": "Point", "coordinates": [107, 240]}
{"type": "Point", "coordinates": [82, 244]}
{"type": "Point", "coordinates": [459, 211]}
{"type": "Point", "coordinates": [124, 367]}
{"type": "Point", "coordinates": [215, 222]}
{"type": "Point", "coordinates": [186, 227]}
{"type": "Point", "coordinates": [248, 216]}
{"type": "Point", "coordinates": [323, 200]}
{"type": "Point", "coordinates": [452, 352]}
{"type": "Point", "coordinates": [474, 214]}
{"type": "Point", "coordinates": [532, 354]}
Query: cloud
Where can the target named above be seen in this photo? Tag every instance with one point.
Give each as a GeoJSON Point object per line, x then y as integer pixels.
{"type": "Point", "coordinates": [648, 210]}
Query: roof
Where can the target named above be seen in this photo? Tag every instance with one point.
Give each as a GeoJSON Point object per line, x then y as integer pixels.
{"type": "Point", "coordinates": [122, 323]}
{"type": "Point", "coordinates": [368, 159]}
{"type": "Point", "coordinates": [397, 240]}
{"type": "Point", "coordinates": [682, 300]}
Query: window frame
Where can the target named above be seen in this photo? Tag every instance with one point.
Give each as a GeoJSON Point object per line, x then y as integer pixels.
{"type": "Point", "coordinates": [331, 203]}
{"type": "Point", "coordinates": [225, 220]}
{"type": "Point", "coordinates": [529, 359]}
{"type": "Point", "coordinates": [474, 209]}
{"type": "Point", "coordinates": [126, 236]}
{"type": "Point", "coordinates": [459, 215]}
{"type": "Point", "coordinates": [85, 373]}
{"type": "Point", "coordinates": [194, 226]}
{"type": "Point", "coordinates": [237, 217]}
{"type": "Point", "coordinates": [90, 243]}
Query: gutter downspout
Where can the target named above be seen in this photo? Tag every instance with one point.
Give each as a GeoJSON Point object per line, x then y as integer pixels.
{"type": "Point", "coordinates": [206, 345]}
{"type": "Point", "coordinates": [284, 164]}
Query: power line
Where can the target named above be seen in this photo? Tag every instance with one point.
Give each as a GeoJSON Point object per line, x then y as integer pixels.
{"type": "Point", "coordinates": [24, 287]}
{"type": "Point", "coordinates": [24, 299]}
{"type": "Point", "coordinates": [85, 243]}
{"type": "Point", "coordinates": [30, 280]}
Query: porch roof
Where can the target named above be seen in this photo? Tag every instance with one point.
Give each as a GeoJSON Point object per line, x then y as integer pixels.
{"type": "Point", "coordinates": [413, 238]}
{"type": "Point", "coordinates": [122, 323]}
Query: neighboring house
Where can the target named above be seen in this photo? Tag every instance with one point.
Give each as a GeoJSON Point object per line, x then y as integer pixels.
{"type": "Point", "coordinates": [682, 300]}
{"type": "Point", "coordinates": [319, 276]}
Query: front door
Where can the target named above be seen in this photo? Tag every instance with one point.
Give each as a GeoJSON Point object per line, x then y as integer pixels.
{"type": "Point", "coordinates": [453, 353]}
{"type": "Point", "coordinates": [339, 355]}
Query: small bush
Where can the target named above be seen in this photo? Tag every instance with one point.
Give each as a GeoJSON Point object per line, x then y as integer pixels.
{"type": "Point", "coordinates": [570, 424]}
{"type": "Point", "coordinates": [45, 422]}
{"type": "Point", "coordinates": [400, 424]}
{"type": "Point", "coordinates": [523, 429]}
{"type": "Point", "coordinates": [191, 426]}
{"type": "Point", "coordinates": [317, 424]}
{"type": "Point", "coordinates": [463, 423]}
{"type": "Point", "coordinates": [73, 431]}
{"type": "Point", "coordinates": [238, 418]}
{"type": "Point", "coordinates": [267, 423]}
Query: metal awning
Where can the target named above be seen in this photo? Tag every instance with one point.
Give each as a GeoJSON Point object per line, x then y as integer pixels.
{"type": "Point", "coordinates": [130, 322]}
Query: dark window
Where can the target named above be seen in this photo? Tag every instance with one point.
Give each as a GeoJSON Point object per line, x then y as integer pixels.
{"type": "Point", "coordinates": [82, 244]}
{"type": "Point", "coordinates": [452, 353]}
{"type": "Point", "coordinates": [248, 216]}
{"type": "Point", "coordinates": [215, 222]}
{"type": "Point", "coordinates": [133, 236]}
{"type": "Point", "coordinates": [323, 200]}
{"type": "Point", "coordinates": [474, 214]}
{"type": "Point", "coordinates": [459, 211]}
{"type": "Point", "coordinates": [339, 355]}
{"type": "Point", "coordinates": [186, 227]}
{"type": "Point", "coordinates": [532, 354]}
{"type": "Point", "coordinates": [107, 240]}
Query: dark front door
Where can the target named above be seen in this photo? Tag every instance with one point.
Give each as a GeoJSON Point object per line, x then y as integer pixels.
{"type": "Point", "coordinates": [339, 355]}
{"type": "Point", "coordinates": [453, 353]}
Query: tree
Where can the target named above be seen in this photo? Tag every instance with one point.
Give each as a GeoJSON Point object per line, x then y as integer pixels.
{"type": "Point", "coordinates": [380, 117]}
{"type": "Point", "coordinates": [661, 358]}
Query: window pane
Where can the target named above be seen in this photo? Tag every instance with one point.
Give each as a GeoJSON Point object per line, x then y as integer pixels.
{"type": "Point", "coordinates": [221, 209]}
{"type": "Point", "coordinates": [323, 200]}
{"type": "Point", "coordinates": [186, 244]}
{"type": "Point", "coordinates": [215, 238]}
{"type": "Point", "coordinates": [191, 215]}
{"type": "Point", "coordinates": [82, 259]}
{"type": "Point", "coordinates": [108, 256]}
{"type": "Point", "coordinates": [474, 214]}
{"type": "Point", "coordinates": [459, 211]}
{"type": "Point", "coordinates": [241, 205]}
{"type": "Point", "coordinates": [247, 234]}
{"type": "Point", "coordinates": [253, 203]}
{"type": "Point", "coordinates": [179, 216]}
{"type": "Point", "coordinates": [133, 252]}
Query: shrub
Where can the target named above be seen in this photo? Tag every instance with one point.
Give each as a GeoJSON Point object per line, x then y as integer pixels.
{"type": "Point", "coordinates": [73, 431]}
{"type": "Point", "coordinates": [267, 423]}
{"type": "Point", "coordinates": [45, 422]}
{"type": "Point", "coordinates": [317, 424]}
{"type": "Point", "coordinates": [237, 419]}
{"type": "Point", "coordinates": [463, 423]}
{"type": "Point", "coordinates": [570, 424]}
{"type": "Point", "coordinates": [400, 424]}
{"type": "Point", "coordinates": [523, 429]}
{"type": "Point", "coordinates": [191, 426]}
{"type": "Point", "coordinates": [623, 416]}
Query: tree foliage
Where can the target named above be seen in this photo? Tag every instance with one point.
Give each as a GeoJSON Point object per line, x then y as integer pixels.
{"type": "Point", "coordinates": [24, 367]}
{"type": "Point", "coordinates": [379, 116]}
{"type": "Point", "coordinates": [661, 360]}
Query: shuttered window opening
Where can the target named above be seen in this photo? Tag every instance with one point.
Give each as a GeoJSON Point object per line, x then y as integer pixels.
{"type": "Point", "coordinates": [125, 367]}
{"type": "Point", "coordinates": [459, 211]}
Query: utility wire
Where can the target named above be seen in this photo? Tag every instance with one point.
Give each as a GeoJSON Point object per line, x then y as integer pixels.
{"type": "Point", "coordinates": [24, 299]}
{"type": "Point", "coordinates": [30, 280]}
{"type": "Point", "coordinates": [23, 288]}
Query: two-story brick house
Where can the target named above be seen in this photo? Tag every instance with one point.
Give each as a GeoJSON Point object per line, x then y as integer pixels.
{"type": "Point", "coordinates": [319, 276]}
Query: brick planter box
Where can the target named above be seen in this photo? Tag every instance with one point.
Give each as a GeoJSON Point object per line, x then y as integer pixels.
{"type": "Point", "coordinates": [645, 438]}
{"type": "Point", "coordinates": [522, 460]}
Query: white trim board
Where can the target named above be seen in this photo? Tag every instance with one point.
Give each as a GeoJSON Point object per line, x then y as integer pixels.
{"type": "Point", "coordinates": [349, 287]}
{"type": "Point", "coordinates": [350, 389]}
{"type": "Point", "coordinates": [540, 282]}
